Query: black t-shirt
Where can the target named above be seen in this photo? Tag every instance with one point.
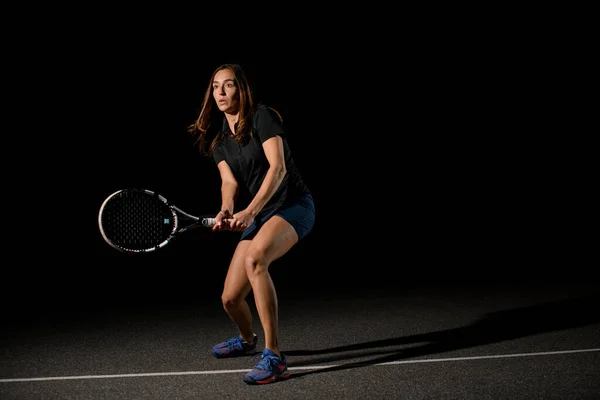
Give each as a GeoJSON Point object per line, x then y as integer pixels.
{"type": "Point", "coordinates": [250, 165]}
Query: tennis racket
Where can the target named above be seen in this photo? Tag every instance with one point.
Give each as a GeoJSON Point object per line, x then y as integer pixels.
{"type": "Point", "coordinates": [142, 221]}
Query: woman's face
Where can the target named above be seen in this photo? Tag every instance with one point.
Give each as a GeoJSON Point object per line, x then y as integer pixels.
{"type": "Point", "coordinates": [225, 91]}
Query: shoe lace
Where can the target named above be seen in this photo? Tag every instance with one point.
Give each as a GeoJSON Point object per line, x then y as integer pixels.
{"type": "Point", "coordinates": [232, 343]}
{"type": "Point", "coordinates": [264, 364]}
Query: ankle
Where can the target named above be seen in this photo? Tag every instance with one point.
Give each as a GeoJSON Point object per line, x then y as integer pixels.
{"type": "Point", "coordinates": [245, 338]}
{"type": "Point", "coordinates": [276, 351]}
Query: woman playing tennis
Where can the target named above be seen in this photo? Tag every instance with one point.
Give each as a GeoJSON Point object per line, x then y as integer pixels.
{"type": "Point", "coordinates": [247, 142]}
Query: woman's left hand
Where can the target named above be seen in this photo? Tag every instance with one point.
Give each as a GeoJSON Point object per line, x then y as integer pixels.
{"type": "Point", "coordinates": [241, 221]}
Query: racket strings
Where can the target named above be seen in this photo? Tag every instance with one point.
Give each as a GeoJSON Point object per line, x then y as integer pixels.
{"type": "Point", "coordinates": [137, 221]}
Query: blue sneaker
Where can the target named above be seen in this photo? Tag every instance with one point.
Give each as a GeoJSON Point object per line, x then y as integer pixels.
{"type": "Point", "coordinates": [269, 369]}
{"type": "Point", "coordinates": [234, 347]}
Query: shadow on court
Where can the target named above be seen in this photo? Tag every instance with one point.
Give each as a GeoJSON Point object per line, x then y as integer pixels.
{"type": "Point", "coordinates": [492, 328]}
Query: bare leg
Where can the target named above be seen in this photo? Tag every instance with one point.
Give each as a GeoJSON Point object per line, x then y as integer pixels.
{"type": "Point", "coordinates": [235, 290]}
{"type": "Point", "coordinates": [275, 238]}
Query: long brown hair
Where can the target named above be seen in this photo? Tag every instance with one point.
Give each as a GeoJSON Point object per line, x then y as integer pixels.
{"type": "Point", "coordinates": [208, 125]}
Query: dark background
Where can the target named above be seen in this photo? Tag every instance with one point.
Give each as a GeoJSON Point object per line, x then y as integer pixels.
{"type": "Point", "coordinates": [406, 158]}
{"type": "Point", "coordinates": [414, 148]}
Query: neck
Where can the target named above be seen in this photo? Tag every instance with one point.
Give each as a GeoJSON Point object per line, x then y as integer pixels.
{"type": "Point", "coordinates": [232, 119]}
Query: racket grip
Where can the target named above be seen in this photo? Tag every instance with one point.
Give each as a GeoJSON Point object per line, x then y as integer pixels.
{"type": "Point", "coordinates": [208, 222]}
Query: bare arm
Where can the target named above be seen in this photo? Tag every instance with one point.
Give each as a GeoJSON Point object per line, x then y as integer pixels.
{"type": "Point", "coordinates": [229, 192]}
{"type": "Point", "coordinates": [274, 151]}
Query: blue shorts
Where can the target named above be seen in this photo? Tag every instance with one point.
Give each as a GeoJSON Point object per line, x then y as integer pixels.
{"type": "Point", "coordinates": [300, 214]}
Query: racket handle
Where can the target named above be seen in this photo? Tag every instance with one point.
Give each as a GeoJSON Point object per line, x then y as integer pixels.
{"type": "Point", "coordinates": [208, 222]}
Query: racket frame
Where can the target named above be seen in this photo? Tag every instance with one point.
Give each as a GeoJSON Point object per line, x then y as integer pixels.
{"type": "Point", "coordinates": [177, 213]}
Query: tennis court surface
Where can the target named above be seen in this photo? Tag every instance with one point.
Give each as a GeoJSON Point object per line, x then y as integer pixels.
{"type": "Point", "coordinates": [410, 341]}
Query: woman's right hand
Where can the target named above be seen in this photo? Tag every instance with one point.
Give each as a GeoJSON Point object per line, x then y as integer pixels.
{"type": "Point", "coordinates": [222, 221]}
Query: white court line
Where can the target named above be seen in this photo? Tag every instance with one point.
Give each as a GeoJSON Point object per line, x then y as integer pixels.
{"type": "Point", "coordinates": [231, 371]}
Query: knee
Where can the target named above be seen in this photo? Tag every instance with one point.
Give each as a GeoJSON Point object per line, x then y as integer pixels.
{"type": "Point", "coordinates": [229, 301]}
{"type": "Point", "coordinates": [255, 263]}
